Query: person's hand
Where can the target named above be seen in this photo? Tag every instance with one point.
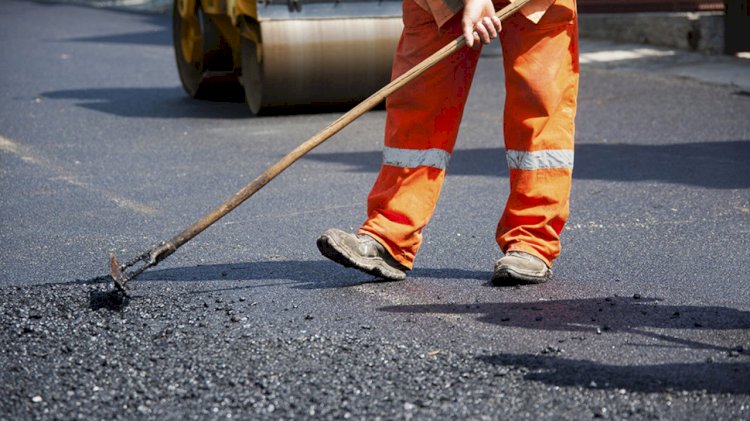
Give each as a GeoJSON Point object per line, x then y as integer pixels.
{"type": "Point", "coordinates": [479, 22]}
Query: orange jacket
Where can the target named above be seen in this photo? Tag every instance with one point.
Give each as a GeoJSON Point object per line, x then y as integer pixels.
{"type": "Point", "coordinates": [443, 10]}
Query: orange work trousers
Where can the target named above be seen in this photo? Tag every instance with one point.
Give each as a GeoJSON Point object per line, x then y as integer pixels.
{"type": "Point", "coordinates": [541, 77]}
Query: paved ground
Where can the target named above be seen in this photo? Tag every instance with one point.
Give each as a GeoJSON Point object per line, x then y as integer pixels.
{"type": "Point", "coordinates": [100, 151]}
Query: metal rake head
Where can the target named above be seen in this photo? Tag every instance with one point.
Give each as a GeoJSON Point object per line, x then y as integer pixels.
{"type": "Point", "coordinates": [121, 276]}
{"type": "Point", "coordinates": [150, 258]}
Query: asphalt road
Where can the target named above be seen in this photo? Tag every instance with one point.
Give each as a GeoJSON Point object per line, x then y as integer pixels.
{"type": "Point", "coordinates": [100, 151]}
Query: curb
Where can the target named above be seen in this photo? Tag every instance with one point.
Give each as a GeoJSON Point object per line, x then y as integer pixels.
{"type": "Point", "coordinates": [700, 32]}
{"type": "Point", "coordinates": [733, 72]}
{"type": "Point", "coordinates": [152, 6]}
{"type": "Point", "coordinates": [692, 31]}
{"type": "Point", "coordinates": [685, 44]}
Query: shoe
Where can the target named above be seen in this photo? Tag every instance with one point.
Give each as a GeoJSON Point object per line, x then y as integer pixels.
{"type": "Point", "coordinates": [360, 252]}
{"type": "Point", "coordinates": [518, 267]}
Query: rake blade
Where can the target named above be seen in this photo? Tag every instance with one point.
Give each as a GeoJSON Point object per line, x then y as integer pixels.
{"type": "Point", "coordinates": [115, 269]}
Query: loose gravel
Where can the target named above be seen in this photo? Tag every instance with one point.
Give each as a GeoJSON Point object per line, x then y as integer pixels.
{"type": "Point", "coordinates": [81, 351]}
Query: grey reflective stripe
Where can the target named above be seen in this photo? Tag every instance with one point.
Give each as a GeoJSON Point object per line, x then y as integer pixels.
{"type": "Point", "coordinates": [537, 160]}
{"type": "Point", "coordinates": [410, 158]}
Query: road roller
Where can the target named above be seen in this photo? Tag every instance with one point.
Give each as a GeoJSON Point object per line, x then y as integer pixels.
{"type": "Point", "coordinates": [285, 53]}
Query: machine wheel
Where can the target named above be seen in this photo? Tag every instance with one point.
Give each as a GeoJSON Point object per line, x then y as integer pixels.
{"type": "Point", "coordinates": [204, 59]}
{"type": "Point", "coordinates": [252, 75]}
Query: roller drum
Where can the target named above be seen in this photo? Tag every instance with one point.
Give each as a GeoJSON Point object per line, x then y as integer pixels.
{"type": "Point", "coordinates": [325, 61]}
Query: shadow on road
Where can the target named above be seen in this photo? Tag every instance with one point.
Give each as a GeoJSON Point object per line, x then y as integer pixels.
{"type": "Point", "coordinates": [711, 377]}
{"type": "Point", "coordinates": [635, 316]}
{"type": "Point", "coordinates": [610, 314]}
{"type": "Point", "coordinates": [319, 274]}
{"type": "Point", "coordinates": [158, 37]}
{"type": "Point", "coordinates": [720, 165]}
{"type": "Point", "coordinates": [228, 101]}
{"type": "Point", "coordinates": [158, 102]}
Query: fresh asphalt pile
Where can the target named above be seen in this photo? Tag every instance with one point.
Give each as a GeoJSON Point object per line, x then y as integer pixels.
{"type": "Point", "coordinates": [80, 350]}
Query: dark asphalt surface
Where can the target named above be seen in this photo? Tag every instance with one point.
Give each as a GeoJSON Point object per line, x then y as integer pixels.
{"type": "Point", "coordinates": [101, 151]}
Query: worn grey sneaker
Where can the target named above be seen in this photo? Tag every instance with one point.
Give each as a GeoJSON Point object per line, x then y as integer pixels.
{"type": "Point", "coordinates": [360, 252]}
{"type": "Point", "coordinates": [518, 267]}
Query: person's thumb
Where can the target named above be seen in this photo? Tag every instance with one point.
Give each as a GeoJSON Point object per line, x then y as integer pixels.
{"type": "Point", "coordinates": [468, 29]}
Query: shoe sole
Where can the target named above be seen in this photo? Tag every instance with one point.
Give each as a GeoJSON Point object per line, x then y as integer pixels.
{"type": "Point", "coordinates": [372, 266]}
{"type": "Point", "coordinates": [507, 276]}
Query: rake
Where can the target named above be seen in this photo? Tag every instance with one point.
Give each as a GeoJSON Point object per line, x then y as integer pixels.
{"type": "Point", "coordinates": [122, 273]}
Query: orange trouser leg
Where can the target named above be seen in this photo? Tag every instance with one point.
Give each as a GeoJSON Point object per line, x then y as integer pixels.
{"type": "Point", "coordinates": [421, 128]}
{"type": "Point", "coordinates": [541, 74]}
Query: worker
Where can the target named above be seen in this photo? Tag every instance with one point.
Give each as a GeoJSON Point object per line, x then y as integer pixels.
{"type": "Point", "coordinates": [540, 60]}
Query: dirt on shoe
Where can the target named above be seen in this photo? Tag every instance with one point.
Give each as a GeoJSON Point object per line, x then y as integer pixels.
{"type": "Point", "coordinates": [361, 252]}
